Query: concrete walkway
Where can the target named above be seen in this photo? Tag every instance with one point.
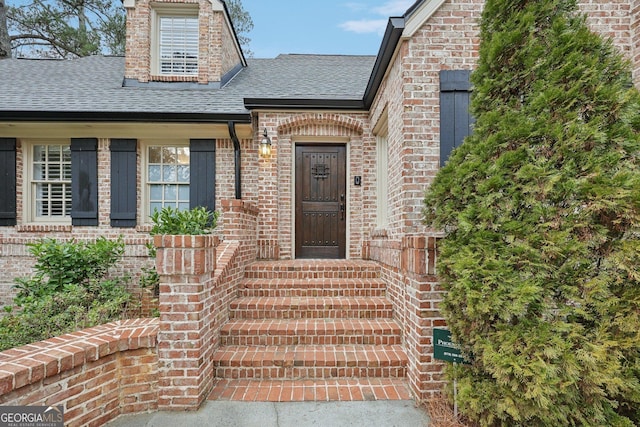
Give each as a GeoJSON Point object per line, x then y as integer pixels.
{"type": "Point", "coordinates": [380, 413]}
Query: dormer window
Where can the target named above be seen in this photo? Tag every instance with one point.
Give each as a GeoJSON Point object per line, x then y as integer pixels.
{"type": "Point", "coordinates": [176, 43]}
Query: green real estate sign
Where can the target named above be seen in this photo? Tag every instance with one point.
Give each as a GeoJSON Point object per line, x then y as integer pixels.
{"type": "Point", "coordinates": [445, 349]}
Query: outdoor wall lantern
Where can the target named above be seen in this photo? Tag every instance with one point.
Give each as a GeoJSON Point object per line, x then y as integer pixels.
{"type": "Point", "coordinates": [265, 144]}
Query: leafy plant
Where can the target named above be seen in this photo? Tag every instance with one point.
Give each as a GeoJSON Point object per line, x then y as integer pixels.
{"type": "Point", "coordinates": [69, 291]}
{"type": "Point", "coordinates": [59, 264]}
{"type": "Point", "coordinates": [195, 221]}
{"type": "Point", "coordinates": [169, 220]}
{"type": "Point", "coordinates": [542, 206]}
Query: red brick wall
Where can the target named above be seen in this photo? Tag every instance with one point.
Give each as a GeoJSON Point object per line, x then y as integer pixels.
{"type": "Point", "coordinates": [194, 303]}
{"type": "Point", "coordinates": [97, 374]}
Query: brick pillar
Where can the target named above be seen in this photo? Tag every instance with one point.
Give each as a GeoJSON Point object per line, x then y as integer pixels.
{"type": "Point", "coordinates": [185, 265]}
{"type": "Point", "coordinates": [240, 223]}
{"type": "Point", "coordinates": [422, 299]}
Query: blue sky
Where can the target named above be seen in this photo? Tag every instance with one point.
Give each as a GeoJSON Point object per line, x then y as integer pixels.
{"type": "Point", "coordinates": [345, 27]}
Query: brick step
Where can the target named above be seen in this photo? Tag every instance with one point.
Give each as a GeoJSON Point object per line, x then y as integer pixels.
{"type": "Point", "coordinates": [308, 361]}
{"type": "Point", "coordinates": [313, 269]}
{"type": "Point", "coordinates": [310, 307]}
{"type": "Point", "coordinates": [310, 332]}
{"type": "Point", "coordinates": [349, 287]}
{"type": "Point", "coordinates": [351, 389]}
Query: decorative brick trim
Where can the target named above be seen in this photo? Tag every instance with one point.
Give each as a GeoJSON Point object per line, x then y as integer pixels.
{"type": "Point", "coordinates": [306, 119]}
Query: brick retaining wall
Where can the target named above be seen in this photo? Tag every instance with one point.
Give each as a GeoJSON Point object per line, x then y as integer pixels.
{"type": "Point", "coordinates": [97, 374]}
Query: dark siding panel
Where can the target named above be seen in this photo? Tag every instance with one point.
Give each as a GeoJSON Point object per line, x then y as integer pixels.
{"type": "Point", "coordinates": [84, 181]}
{"type": "Point", "coordinates": [456, 122]}
{"type": "Point", "coordinates": [203, 173]}
{"type": "Point", "coordinates": [8, 178]}
{"type": "Point", "coordinates": [124, 194]}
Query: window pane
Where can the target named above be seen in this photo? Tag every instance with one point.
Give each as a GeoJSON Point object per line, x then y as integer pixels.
{"type": "Point", "coordinates": [183, 173]}
{"type": "Point", "coordinates": [170, 192]}
{"type": "Point", "coordinates": [183, 155]}
{"type": "Point", "coordinates": [169, 155]}
{"type": "Point", "coordinates": [169, 174]}
{"type": "Point", "coordinates": [154, 173]}
{"type": "Point", "coordinates": [38, 174]}
{"type": "Point", "coordinates": [156, 192]}
{"type": "Point", "coordinates": [66, 171]}
{"type": "Point", "coordinates": [54, 171]}
{"type": "Point", "coordinates": [183, 192]}
{"type": "Point", "coordinates": [155, 155]}
{"type": "Point", "coordinates": [39, 153]}
{"type": "Point", "coordinates": [183, 206]}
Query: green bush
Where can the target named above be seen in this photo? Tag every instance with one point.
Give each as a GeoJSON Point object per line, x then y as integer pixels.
{"type": "Point", "coordinates": [195, 221]}
{"type": "Point", "coordinates": [542, 207]}
{"type": "Point", "coordinates": [69, 291]}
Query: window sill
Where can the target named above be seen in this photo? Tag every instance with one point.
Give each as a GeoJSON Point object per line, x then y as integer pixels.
{"type": "Point", "coordinates": [175, 78]}
{"type": "Point", "coordinates": [44, 228]}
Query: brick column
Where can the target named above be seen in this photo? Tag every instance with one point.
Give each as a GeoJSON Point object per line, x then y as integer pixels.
{"type": "Point", "coordinates": [185, 265]}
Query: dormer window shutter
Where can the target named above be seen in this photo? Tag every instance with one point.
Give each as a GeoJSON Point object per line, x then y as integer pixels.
{"type": "Point", "coordinates": [178, 45]}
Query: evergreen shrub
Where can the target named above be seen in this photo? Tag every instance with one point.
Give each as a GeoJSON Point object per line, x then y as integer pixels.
{"type": "Point", "coordinates": [541, 204]}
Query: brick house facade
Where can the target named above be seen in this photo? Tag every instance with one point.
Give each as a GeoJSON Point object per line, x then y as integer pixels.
{"type": "Point", "coordinates": [388, 112]}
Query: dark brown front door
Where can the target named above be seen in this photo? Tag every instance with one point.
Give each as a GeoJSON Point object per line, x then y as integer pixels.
{"type": "Point", "coordinates": [321, 201]}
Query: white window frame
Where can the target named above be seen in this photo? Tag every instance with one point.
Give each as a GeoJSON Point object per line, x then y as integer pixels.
{"type": "Point", "coordinates": [173, 12]}
{"type": "Point", "coordinates": [30, 191]}
{"type": "Point", "coordinates": [146, 182]}
{"type": "Point", "coordinates": [382, 173]}
{"type": "Point", "coordinates": [382, 187]}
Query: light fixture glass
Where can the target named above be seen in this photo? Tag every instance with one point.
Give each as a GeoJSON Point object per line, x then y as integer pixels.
{"type": "Point", "coordinates": [265, 144]}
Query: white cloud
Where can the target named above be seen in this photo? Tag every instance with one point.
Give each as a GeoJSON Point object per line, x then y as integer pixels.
{"type": "Point", "coordinates": [393, 7]}
{"type": "Point", "coordinates": [365, 26]}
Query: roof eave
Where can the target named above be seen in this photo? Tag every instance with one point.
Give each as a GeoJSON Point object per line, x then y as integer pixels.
{"type": "Point", "coordinates": [302, 103]}
{"type": "Point", "coordinates": [392, 36]}
{"type": "Point", "coordinates": [106, 116]}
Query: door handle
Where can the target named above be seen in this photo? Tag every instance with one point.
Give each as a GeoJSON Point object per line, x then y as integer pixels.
{"type": "Point", "coordinates": [342, 206]}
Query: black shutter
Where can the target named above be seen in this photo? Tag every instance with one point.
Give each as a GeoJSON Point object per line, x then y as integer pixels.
{"type": "Point", "coordinates": [203, 173]}
{"type": "Point", "coordinates": [124, 174]}
{"type": "Point", "coordinates": [84, 181]}
{"type": "Point", "coordinates": [8, 177]}
{"type": "Point", "coordinates": [455, 119]}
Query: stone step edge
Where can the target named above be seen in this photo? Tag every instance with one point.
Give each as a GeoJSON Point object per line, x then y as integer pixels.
{"type": "Point", "coordinates": [311, 356]}
{"type": "Point", "coordinates": [292, 327]}
{"type": "Point", "coordinates": [310, 390]}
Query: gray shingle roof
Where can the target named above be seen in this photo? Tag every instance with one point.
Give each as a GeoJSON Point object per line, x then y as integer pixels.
{"type": "Point", "coordinates": [94, 84]}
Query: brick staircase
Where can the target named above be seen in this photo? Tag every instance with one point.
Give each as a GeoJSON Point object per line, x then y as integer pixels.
{"type": "Point", "coordinates": [311, 330]}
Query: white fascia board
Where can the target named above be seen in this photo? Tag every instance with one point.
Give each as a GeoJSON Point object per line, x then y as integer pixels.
{"type": "Point", "coordinates": [216, 5]}
{"type": "Point", "coordinates": [421, 15]}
